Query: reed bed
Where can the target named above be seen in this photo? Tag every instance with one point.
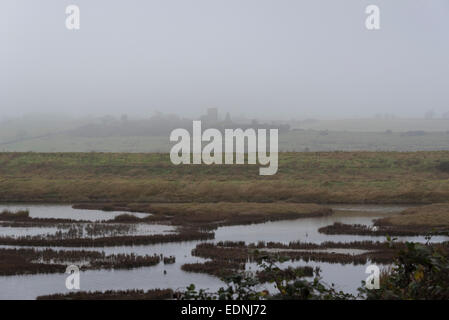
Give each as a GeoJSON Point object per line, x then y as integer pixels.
{"type": "Point", "coordinates": [169, 260]}
{"type": "Point", "coordinates": [383, 230]}
{"type": "Point", "coordinates": [238, 252]}
{"type": "Point", "coordinates": [19, 215]}
{"type": "Point", "coordinates": [50, 241]}
{"type": "Point", "coordinates": [31, 261]}
{"type": "Point", "coordinates": [218, 268]}
{"type": "Point", "coordinates": [23, 216]}
{"type": "Point", "coordinates": [362, 245]}
{"type": "Point", "coordinates": [155, 294]}
{"type": "Point", "coordinates": [289, 273]}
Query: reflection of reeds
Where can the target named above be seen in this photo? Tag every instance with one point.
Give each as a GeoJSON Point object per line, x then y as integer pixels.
{"type": "Point", "coordinates": [155, 294]}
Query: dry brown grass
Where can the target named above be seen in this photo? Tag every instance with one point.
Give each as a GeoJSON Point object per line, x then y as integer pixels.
{"type": "Point", "coordinates": [434, 215]}
{"type": "Point", "coordinates": [321, 177]}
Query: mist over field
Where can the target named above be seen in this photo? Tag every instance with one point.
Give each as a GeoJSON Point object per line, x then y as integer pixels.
{"type": "Point", "coordinates": [129, 133]}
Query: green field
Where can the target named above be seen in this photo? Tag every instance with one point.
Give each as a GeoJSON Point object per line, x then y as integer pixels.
{"type": "Point", "coordinates": [331, 177]}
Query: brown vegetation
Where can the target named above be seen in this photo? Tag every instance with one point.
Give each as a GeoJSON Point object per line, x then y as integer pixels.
{"type": "Point", "coordinates": [169, 260]}
{"type": "Point", "coordinates": [20, 215]}
{"type": "Point", "coordinates": [218, 268]}
{"type": "Point", "coordinates": [45, 241]}
{"type": "Point", "coordinates": [23, 216]}
{"type": "Point", "coordinates": [31, 261]}
{"type": "Point", "coordinates": [362, 245]}
{"type": "Point", "coordinates": [318, 177]}
{"type": "Point", "coordinates": [289, 273]}
{"type": "Point", "coordinates": [229, 257]}
{"type": "Point", "coordinates": [381, 230]}
{"type": "Point", "coordinates": [430, 216]}
{"type": "Point", "coordinates": [424, 220]}
{"type": "Point", "coordinates": [155, 294]}
{"type": "Point", "coordinates": [359, 229]}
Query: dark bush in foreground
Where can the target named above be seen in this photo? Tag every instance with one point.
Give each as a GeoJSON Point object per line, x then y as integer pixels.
{"type": "Point", "coordinates": [421, 272]}
{"type": "Point", "coordinates": [289, 283]}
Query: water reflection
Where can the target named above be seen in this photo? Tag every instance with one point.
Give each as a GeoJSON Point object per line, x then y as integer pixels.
{"type": "Point", "coordinates": [345, 277]}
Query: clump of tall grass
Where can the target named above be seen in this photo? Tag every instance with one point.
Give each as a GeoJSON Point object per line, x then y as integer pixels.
{"type": "Point", "coordinates": [126, 218]}
{"type": "Point", "coordinates": [15, 216]}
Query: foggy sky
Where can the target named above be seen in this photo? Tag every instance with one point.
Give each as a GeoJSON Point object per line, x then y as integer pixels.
{"type": "Point", "coordinates": [261, 58]}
